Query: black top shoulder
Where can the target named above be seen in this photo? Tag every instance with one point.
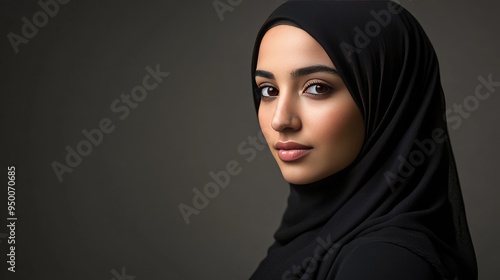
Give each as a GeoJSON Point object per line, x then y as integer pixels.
{"type": "Point", "coordinates": [384, 261]}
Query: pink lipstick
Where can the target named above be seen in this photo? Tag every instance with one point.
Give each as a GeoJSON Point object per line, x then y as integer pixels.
{"type": "Point", "coordinates": [291, 151]}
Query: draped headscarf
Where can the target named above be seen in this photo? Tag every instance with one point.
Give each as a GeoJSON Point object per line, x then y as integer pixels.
{"type": "Point", "coordinates": [403, 187]}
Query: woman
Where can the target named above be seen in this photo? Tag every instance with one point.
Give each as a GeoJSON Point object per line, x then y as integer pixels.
{"type": "Point", "coordinates": [349, 99]}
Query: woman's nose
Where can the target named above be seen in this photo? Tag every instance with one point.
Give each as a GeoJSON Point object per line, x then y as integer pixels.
{"type": "Point", "coordinates": [286, 115]}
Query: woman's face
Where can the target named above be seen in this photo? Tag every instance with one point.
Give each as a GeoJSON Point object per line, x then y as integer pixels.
{"type": "Point", "coordinates": [311, 123]}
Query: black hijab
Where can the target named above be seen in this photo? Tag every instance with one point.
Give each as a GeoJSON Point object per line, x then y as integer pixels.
{"type": "Point", "coordinates": [403, 188]}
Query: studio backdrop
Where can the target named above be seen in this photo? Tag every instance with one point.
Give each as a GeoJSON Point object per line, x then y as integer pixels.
{"type": "Point", "coordinates": [130, 147]}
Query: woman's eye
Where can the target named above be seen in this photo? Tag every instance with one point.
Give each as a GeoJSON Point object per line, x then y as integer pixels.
{"type": "Point", "coordinates": [318, 89]}
{"type": "Point", "coordinates": [268, 91]}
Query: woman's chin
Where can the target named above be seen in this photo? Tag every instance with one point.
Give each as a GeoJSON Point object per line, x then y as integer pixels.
{"type": "Point", "coordinates": [302, 176]}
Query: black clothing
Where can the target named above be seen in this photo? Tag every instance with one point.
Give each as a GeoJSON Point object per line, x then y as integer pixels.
{"type": "Point", "coordinates": [380, 260]}
{"type": "Point", "coordinates": [397, 211]}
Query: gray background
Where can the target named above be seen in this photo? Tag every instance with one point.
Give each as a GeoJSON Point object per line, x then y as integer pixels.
{"type": "Point", "coordinates": [119, 207]}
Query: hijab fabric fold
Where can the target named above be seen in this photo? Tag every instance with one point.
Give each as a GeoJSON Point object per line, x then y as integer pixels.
{"type": "Point", "coordinates": [403, 188]}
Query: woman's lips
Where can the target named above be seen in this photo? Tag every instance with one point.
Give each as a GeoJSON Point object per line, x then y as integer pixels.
{"type": "Point", "coordinates": [291, 151]}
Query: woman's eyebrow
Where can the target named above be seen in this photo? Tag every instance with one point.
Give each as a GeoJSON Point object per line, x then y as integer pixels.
{"type": "Point", "coordinates": [312, 69]}
{"type": "Point", "coordinates": [264, 74]}
{"type": "Point", "coordinates": [299, 71]}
